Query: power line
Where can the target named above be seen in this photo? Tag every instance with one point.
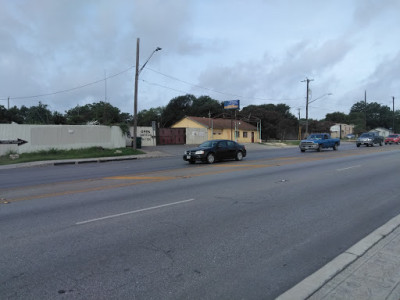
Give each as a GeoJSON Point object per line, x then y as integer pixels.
{"type": "Point", "coordinates": [155, 84]}
{"type": "Point", "coordinates": [215, 91]}
{"type": "Point", "coordinates": [70, 89]}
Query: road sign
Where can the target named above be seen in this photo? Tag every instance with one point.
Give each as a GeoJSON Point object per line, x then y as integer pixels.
{"type": "Point", "coordinates": [19, 142]}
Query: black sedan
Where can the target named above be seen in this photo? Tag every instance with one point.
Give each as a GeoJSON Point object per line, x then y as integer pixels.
{"type": "Point", "coordinates": [211, 151]}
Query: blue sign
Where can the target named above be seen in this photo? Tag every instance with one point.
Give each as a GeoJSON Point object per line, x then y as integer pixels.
{"type": "Point", "coordinates": [232, 104]}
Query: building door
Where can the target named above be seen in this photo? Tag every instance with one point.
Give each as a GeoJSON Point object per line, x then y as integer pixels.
{"type": "Point", "coordinates": [252, 136]}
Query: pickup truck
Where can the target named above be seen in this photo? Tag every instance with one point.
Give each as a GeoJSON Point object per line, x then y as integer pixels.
{"type": "Point", "coordinates": [319, 141]}
{"type": "Point", "coordinates": [369, 139]}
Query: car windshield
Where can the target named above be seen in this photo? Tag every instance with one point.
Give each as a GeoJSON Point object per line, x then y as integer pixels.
{"type": "Point", "coordinates": [366, 135]}
{"type": "Point", "coordinates": [315, 137]}
{"type": "Point", "coordinates": [393, 136]}
{"type": "Point", "coordinates": [208, 144]}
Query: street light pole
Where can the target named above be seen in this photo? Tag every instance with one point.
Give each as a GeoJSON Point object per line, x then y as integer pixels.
{"type": "Point", "coordinates": [137, 73]}
{"type": "Point", "coordinates": [307, 95]}
{"type": "Point", "coordinates": [136, 95]}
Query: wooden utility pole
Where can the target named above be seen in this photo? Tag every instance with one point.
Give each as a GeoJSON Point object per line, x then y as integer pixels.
{"type": "Point", "coordinates": [365, 109]}
{"type": "Point", "coordinates": [393, 117]}
{"type": "Point", "coordinates": [136, 95]}
{"type": "Point", "coordinates": [307, 99]}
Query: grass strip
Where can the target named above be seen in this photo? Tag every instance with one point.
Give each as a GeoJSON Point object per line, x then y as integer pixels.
{"type": "Point", "coordinates": [55, 154]}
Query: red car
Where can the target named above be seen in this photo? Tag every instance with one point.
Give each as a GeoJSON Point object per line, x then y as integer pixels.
{"type": "Point", "coordinates": [393, 139]}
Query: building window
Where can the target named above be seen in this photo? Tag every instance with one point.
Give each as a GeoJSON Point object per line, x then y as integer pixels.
{"type": "Point", "coordinates": [245, 134]}
{"type": "Point", "coordinates": [237, 133]}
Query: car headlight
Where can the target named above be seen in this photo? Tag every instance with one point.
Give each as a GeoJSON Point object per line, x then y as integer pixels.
{"type": "Point", "coordinates": [199, 152]}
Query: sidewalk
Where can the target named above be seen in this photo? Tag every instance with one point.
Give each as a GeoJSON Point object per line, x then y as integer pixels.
{"type": "Point", "coordinates": [368, 270]}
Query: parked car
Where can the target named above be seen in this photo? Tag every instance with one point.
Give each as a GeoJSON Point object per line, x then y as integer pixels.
{"type": "Point", "coordinates": [213, 150]}
{"type": "Point", "coordinates": [318, 141]}
{"type": "Point", "coordinates": [369, 139]}
{"type": "Point", "coordinates": [393, 139]}
{"type": "Point", "coordinates": [350, 136]}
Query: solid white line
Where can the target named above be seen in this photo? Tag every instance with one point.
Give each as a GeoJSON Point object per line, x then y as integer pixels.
{"type": "Point", "coordinates": [132, 212]}
{"type": "Point", "coordinates": [348, 168]}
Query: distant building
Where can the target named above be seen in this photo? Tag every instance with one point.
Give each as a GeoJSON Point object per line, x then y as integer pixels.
{"type": "Point", "coordinates": [199, 129]}
{"type": "Point", "coordinates": [341, 130]}
{"type": "Point", "coordinates": [381, 131]}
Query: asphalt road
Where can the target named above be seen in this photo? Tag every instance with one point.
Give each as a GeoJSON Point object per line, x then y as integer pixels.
{"type": "Point", "coordinates": [164, 229]}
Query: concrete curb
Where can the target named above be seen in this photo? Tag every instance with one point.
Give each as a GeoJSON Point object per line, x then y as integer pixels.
{"type": "Point", "coordinates": [154, 154]}
{"type": "Point", "coordinates": [315, 281]}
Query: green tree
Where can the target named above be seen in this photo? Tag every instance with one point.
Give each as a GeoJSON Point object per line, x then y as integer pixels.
{"type": "Point", "coordinates": [376, 115]}
{"type": "Point", "coordinates": [337, 117]}
{"type": "Point", "coordinates": [3, 115]}
{"type": "Point", "coordinates": [146, 117]}
{"type": "Point", "coordinates": [16, 115]}
{"type": "Point", "coordinates": [39, 114]}
{"type": "Point", "coordinates": [102, 112]}
{"type": "Point", "coordinates": [276, 120]}
{"type": "Point", "coordinates": [59, 118]}
{"type": "Point", "coordinates": [205, 106]}
{"type": "Point", "coordinates": [79, 115]}
{"type": "Point", "coordinates": [177, 109]}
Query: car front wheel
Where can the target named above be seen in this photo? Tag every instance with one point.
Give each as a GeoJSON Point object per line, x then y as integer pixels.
{"type": "Point", "coordinates": [239, 156]}
{"type": "Point", "coordinates": [335, 146]}
{"type": "Point", "coordinates": [210, 158]}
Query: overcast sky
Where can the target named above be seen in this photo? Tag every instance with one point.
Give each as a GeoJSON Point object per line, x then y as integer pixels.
{"type": "Point", "coordinates": [59, 52]}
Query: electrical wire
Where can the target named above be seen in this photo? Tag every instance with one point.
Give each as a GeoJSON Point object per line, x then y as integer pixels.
{"type": "Point", "coordinates": [70, 89]}
{"type": "Point", "coordinates": [215, 91]}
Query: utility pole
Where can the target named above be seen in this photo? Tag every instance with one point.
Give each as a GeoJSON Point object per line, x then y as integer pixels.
{"type": "Point", "coordinates": [136, 95]}
{"type": "Point", "coordinates": [299, 134]}
{"type": "Point", "coordinates": [105, 85]}
{"type": "Point", "coordinates": [137, 72]}
{"type": "Point", "coordinates": [307, 99]}
{"type": "Point", "coordinates": [393, 116]}
{"type": "Point", "coordinates": [365, 109]}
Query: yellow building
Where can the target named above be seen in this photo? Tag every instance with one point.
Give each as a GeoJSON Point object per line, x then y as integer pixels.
{"type": "Point", "coordinates": [235, 130]}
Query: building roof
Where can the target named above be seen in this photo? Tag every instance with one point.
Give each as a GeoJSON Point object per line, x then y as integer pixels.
{"type": "Point", "coordinates": [220, 123]}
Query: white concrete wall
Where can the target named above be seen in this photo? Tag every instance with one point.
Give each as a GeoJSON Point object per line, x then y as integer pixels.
{"type": "Point", "coordinates": [45, 137]}
{"type": "Point", "coordinates": [195, 136]}
{"type": "Point", "coordinates": [147, 134]}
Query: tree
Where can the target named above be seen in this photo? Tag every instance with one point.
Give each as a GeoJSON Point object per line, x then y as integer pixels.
{"type": "Point", "coordinates": [79, 115]}
{"type": "Point", "coordinates": [375, 114]}
{"type": "Point", "coordinates": [59, 118]}
{"type": "Point", "coordinates": [146, 117]}
{"type": "Point", "coordinates": [276, 120]}
{"type": "Point", "coordinates": [205, 106]}
{"type": "Point", "coordinates": [3, 115]}
{"type": "Point", "coordinates": [319, 126]}
{"type": "Point", "coordinates": [39, 114]}
{"type": "Point", "coordinates": [102, 112]}
{"type": "Point", "coordinates": [337, 117]}
{"type": "Point", "coordinates": [177, 109]}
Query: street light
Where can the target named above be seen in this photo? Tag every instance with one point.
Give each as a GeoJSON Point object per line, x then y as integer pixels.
{"type": "Point", "coordinates": [136, 89]}
{"type": "Point", "coordinates": [308, 102]}
{"type": "Point", "coordinates": [328, 94]}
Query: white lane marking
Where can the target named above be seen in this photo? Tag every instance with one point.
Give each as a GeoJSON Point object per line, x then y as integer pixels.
{"type": "Point", "coordinates": [132, 212]}
{"type": "Point", "coordinates": [352, 167]}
